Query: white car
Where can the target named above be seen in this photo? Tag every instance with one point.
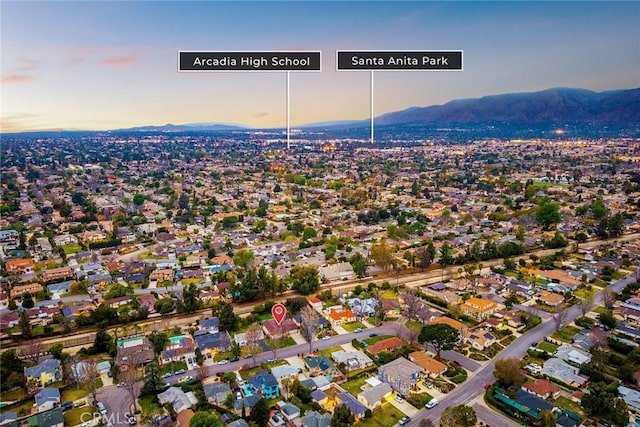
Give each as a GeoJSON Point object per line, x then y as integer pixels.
{"type": "Point", "coordinates": [399, 399]}
{"type": "Point", "coordinates": [431, 404]}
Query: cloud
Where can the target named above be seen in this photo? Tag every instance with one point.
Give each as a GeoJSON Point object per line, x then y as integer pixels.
{"type": "Point", "coordinates": [18, 122]}
{"type": "Point", "coordinates": [119, 61]}
{"type": "Point", "coordinates": [261, 115]}
{"type": "Point", "coordinates": [16, 78]}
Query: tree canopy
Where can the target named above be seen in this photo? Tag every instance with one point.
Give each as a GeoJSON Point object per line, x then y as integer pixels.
{"type": "Point", "coordinates": [440, 336]}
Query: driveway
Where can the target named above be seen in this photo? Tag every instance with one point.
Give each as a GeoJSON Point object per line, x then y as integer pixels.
{"type": "Point", "coordinates": [117, 400]}
{"type": "Point", "coordinates": [403, 407]}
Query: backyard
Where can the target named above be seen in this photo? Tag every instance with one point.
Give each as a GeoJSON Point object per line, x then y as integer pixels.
{"type": "Point", "coordinates": [387, 416]}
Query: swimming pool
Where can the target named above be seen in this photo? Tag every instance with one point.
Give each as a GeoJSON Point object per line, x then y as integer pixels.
{"type": "Point", "coordinates": [130, 342]}
{"type": "Point", "coordinates": [177, 339]}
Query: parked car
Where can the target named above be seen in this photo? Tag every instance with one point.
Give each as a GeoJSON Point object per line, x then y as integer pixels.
{"type": "Point", "coordinates": [248, 356]}
{"type": "Point", "coordinates": [271, 360]}
{"type": "Point", "coordinates": [373, 335]}
{"type": "Point", "coordinates": [223, 362]}
{"type": "Point", "coordinates": [167, 375]}
{"type": "Point", "coordinates": [66, 405]}
{"type": "Point", "coordinates": [404, 420]}
{"type": "Point", "coordinates": [399, 399]}
{"type": "Point", "coordinates": [431, 404]}
{"type": "Point", "coordinates": [180, 372]}
{"type": "Point", "coordinates": [358, 330]}
{"type": "Point", "coordinates": [101, 408]}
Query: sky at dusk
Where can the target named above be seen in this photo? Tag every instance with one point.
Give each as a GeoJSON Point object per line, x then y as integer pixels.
{"type": "Point", "coordinates": [108, 65]}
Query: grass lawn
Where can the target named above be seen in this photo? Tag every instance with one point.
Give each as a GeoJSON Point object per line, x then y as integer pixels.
{"type": "Point", "coordinates": [600, 283]}
{"type": "Point", "coordinates": [386, 416]}
{"type": "Point", "coordinates": [373, 340]}
{"type": "Point", "coordinates": [187, 282]}
{"type": "Point", "coordinates": [353, 386]}
{"type": "Point", "coordinates": [17, 394]}
{"type": "Point", "coordinates": [548, 347]}
{"type": "Point", "coordinates": [565, 333]}
{"type": "Point", "coordinates": [414, 325]}
{"type": "Point", "coordinates": [76, 416]}
{"type": "Point", "coordinates": [149, 406]}
{"type": "Point", "coordinates": [265, 366]}
{"type": "Point", "coordinates": [265, 316]}
{"type": "Point", "coordinates": [71, 248]}
{"type": "Point", "coordinates": [176, 367]}
{"type": "Point", "coordinates": [600, 310]}
{"type": "Point", "coordinates": [282, 343]}
{"type": "Point", "coordinates": [327, 351]}
{"type": "Point", "coordinates": [350, 327]}
{"type": "Point", "coordinates": [73, 394]}
{"type": "Point", "coordinates": [149, 255]}
{"type": "Point", "coordinates": [565, 403]}
{"type": "Point", "coordinates": [419, 399]}
{"type": "Point", "coordinates": [582, 293]}
{"type": "Point", "coordinates": [389, 294]}
{"type": "Point", "coordinates": [23, 408]}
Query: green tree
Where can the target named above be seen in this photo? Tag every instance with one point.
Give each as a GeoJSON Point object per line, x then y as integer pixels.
{"type": "Point", "coordinates": [446, 256]}
{"type": "Point", "coordinates": [164, 306]}
{"type": "Point", "coordinates": [56, 350]}
{"type": "Point", "coordinates": [229, 377]}
{"type": "Point", "coordinates": [103, 342]}
{"type": "Point", "coordinates": [458, 416]}
{"type": "Point", "coordinates": [243, 258]}
{"type": "Point", "coordinates": [260, 413]}
{"type": "Point", "coordinates": [152, 380]}
{"type": "Point", "coordinates": [24, 325]}
{"type": "Point", "coordinates": [159, 341]}
{"type": "Point", "coordinates": [507, 372]}
{"type": "Point", "coordinates": [602, 401]}
{"type": "Point", "coordinates": [342, 417]}
{"type": "Point", "coordinates": [309, 233]}
{"type": "Point", "coordinates": [227, 319]}
{"type": "Point", "coordinates": [607, 319]}
{"type": "Point", "coordinates": [598, 209]}
{"type": "Point", "coordinates": [547, 214]}
{"type": "Point", "coordinates": [138, 199]}
{"type": "Point", "coordinates": [27, 300]}
{"type": "Point", "coordinates": [205, 419]}
{"type": "Point", "coordinates": [190, 299]}
{"type": "Point", "coordinates": [304, 279]}
{"type": "Point", "coordinates": [359, 265]}
{"type": "Point", "coordinates": [382, 255]}
{"type": "Point", "coordinates": [440, 336]}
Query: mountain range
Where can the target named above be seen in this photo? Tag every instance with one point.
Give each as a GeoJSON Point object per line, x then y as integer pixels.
{"type": "Point", "coordinates": [550, 106]}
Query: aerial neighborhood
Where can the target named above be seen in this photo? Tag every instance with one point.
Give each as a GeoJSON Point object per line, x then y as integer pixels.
{"type": "Point", "coordinates": [495, 281]}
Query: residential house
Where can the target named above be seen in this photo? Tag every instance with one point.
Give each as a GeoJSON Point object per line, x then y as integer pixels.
{"type": "Point", "coordinates": [387, 344]}
{"type": "Point", "coordinates": [401, 374]}
{"type": "Point", "coordinates": [47, 399]}
{"type": "Point", "coordinates": [10, 418]}
{"type": "Point", "coordinates": [316, 419]}
{"type": "Point", "coordinates": [480, 339]}
{"type": "Point", "coordinates": [334, 272]}
{"type": "Point", "coordinates": [289, 411]}
{"type": "Point", "coordinates": [273, 330]}
{"type": "Point", "coordinates": [162, 275]}
{"type": "Point", "coordinates": [460, 327]}
{"type": "Point", "coordinates": [54, 274]}
{"type": "Point", "coordinates": [263, 383]}
{"type": "Point", "coordinates": [210, 344]}
{"type": "Point", "coordinates": [428, 364]}
{"type": "Point", "coordinates": [211, 325]}
{"type": "Point", "coordinates": [179, 400]}
{"type": "Point", "coordinates": [134, 352]}
{"type": "Point", "coordinates": [57, 289]}
{"type": "Point", "coordinates": [246, 402]}
{"type": "Point", "coordinates": [76, 309]}
{"type": "Point", "coordinates": [31, 288]}
{"type": "Point", "coordinates": [320, 365]}
{"type": "Point", "coordinates": [562, 371]}
{"type": "Point", "coordinates": [572, 354]}
{"type": "Point", "coordinates": [632, 399]}
{"type": "Point", "coordinates": [357, 408]}
{"type": "Point", "coordinates": [46, 372]}
{"type": "Point", "coordinates": [354, 360]}
{"type": "Point", "coordinates": [341, 316]}
{"type": "Point", "coordinates": [442, 294]}
{"type": "Point", "coordinates": [216, 392]}
{"type": "Point", "coordinates": [479, 308]}
{"type": "Point", "coordinates": [391, 307]}
{"type": "Point", "coordinates": [285, 371]}
{"type": "Point", "coordinates": [19, 266]}
{"type": "Point", "coordinates": [148, 301]}
{"type": "Point", "coordinates": [363, 307]}
{"type": "Point", "coordinates": [549, 298]}
{"type": "Point", "coordinates": [51, 418]}
{"type": "Point", "coordinates": [238, 423]}
{"type": "Point", "coordinates": [315, 303]}
{"type": "Point", "coordinates": [117, 301]}
{"type": "Point", "coordinates": [9, 319]}
{"type": "Point", "coordinates": [373, 397]}
{"type": "Point", "coordinates": [178, 350]}
{"type": "Point", "coordinates": [241, 338]}
{"type": "Point", "coordinates": [542, 388]}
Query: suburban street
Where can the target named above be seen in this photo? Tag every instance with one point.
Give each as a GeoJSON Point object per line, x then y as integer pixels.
{"type": "Point", "coordinates": [474, 386]}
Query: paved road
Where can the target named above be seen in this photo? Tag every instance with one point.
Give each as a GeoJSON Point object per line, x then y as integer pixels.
{"type": "Point", "coordinates": [474, 386]}
{"type": "Point", "coordinates": [492, 418]}
{"type": "Point", "coordinates": [117, 400]}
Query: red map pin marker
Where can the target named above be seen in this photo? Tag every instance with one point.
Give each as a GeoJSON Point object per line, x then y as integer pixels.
{"type": "Point", "coordinates": [279, 311]}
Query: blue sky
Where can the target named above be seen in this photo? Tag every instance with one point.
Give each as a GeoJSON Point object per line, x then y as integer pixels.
{"type": "Point", "coordinates": [106, 65]}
